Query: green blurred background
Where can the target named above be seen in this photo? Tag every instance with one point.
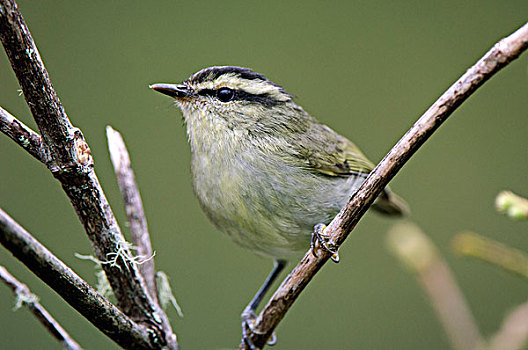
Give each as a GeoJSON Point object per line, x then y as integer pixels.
{"type": "Point", "coordinates": [366, 68]}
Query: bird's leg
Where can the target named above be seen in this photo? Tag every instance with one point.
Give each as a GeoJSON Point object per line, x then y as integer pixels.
{"type": "Point", "coordinates": [319, 236]}
{"type": "Point", "coordinates": [248, 315]}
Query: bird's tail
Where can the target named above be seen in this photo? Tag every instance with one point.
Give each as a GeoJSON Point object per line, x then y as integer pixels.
{"type": "Point", "coordinates": [391, 204]}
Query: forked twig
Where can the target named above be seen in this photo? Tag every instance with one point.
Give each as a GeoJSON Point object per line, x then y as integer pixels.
{"type": "Point", "coordinates": [72, 288]}
{"type": "Point", "coordinates": [69, 160]}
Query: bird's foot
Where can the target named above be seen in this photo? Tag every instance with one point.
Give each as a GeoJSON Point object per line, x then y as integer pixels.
{"type": "Point", "coordinates": [319, 236]}
{"type": "Point", "coordinates": [248, 323]}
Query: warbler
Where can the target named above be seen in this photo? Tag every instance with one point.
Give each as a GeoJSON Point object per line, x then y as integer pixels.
{"type": "Point", "coordinates": [265, 171]}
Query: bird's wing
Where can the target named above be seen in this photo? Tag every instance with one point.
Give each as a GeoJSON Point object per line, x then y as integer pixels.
{"type": "Point", "coordinates": [331, 154]}
{"type": "Point", "coordinates": [323, 150]}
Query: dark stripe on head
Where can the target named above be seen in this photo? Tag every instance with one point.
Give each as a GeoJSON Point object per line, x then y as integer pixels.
{"type": "Point", "coordinates": [212, 73]}
{"type": "Point", "coordinates": [263, 99]}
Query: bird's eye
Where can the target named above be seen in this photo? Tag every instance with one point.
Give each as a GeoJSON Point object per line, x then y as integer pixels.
{"type": "Point", "coordinates": [225, 94]}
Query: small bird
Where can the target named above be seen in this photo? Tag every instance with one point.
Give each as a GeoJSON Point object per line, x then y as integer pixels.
{"type": "Point", "coordinates": [266, 172]}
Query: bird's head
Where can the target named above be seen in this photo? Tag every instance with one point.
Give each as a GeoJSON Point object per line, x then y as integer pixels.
{"type": "Point", "coordinates": [236, 96]}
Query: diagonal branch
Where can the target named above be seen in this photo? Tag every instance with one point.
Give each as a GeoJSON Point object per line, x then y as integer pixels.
{"type": "Point", "coordinates": [73, 289]}
{"type": "Point", "coordinates": [36, 84]}
{"type": "Point", "coordinates": [498, 57]}
{"type": "Point", "coordinates": [24, 296]}
{"type": "Point", "coordinates": [71, 163]}
{"type": "Point", "coordinates": [23, 135]}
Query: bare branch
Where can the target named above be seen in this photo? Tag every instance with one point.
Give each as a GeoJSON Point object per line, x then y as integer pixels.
{"type": "Point", "coordinates": [23, 135]}
{"type": "Point", "coordinates": [36, 85]}
{"type": "Point", "coordinates": [73, 289]}
{"type": "Point", "coordinates": [133, 206]}
{"type": "Point", "coordinates": [513, 334]}
{"type": "Point", "coordinates": [420, 255]}
{"type": "Point", "coordinates": [135, 215]}
{"type": "Point", "coordinates": [72, 164]}
{"type": "Point", "coordinates": [499, 56]}
{"type": "Point", "coordinates": [24, 296]}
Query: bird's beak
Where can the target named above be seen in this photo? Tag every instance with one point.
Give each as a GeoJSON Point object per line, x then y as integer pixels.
{"type": "Point", "coordinates": [172, 90]}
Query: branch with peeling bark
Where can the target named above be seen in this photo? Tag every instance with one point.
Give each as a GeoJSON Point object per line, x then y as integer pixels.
{"type": "Point", "coordinates": [338, 230]}
{"type": "Point", "coordinates": [62, 148]}
{"type": "Point", "coordinates": [70, 160]}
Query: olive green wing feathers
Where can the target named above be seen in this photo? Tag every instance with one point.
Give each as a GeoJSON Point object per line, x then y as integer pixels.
{"type": "Point", "coordinates": [331, 154]}
{"type": "Point", "coordinates": [334, 155]}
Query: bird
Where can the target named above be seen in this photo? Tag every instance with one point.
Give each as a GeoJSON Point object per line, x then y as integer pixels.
{"type": "Point", "coordinates": [266, 172]}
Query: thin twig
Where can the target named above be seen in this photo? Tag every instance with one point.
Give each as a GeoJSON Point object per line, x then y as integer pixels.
{"type": "Point", "coordinates": [513, 334]}
{"type": "Point", "coordinates": [23, 135]}
{"type": "Point", "coordinates": [24, 296]}
{"type": "Point", "coordinates": [133, 206]}
{"type": "Point", "coordinates": [135, 214]}
{"type": "Point", "coordinates": [71, 163]}
{"type": "Point", "coordinates": [493, 252]}
{"type": "Point", "coordinates": [499, 56]}
{"type": "Point", "coordinates": [73, 289]}
{"type": "Point", "coordinates": [421, 256]}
